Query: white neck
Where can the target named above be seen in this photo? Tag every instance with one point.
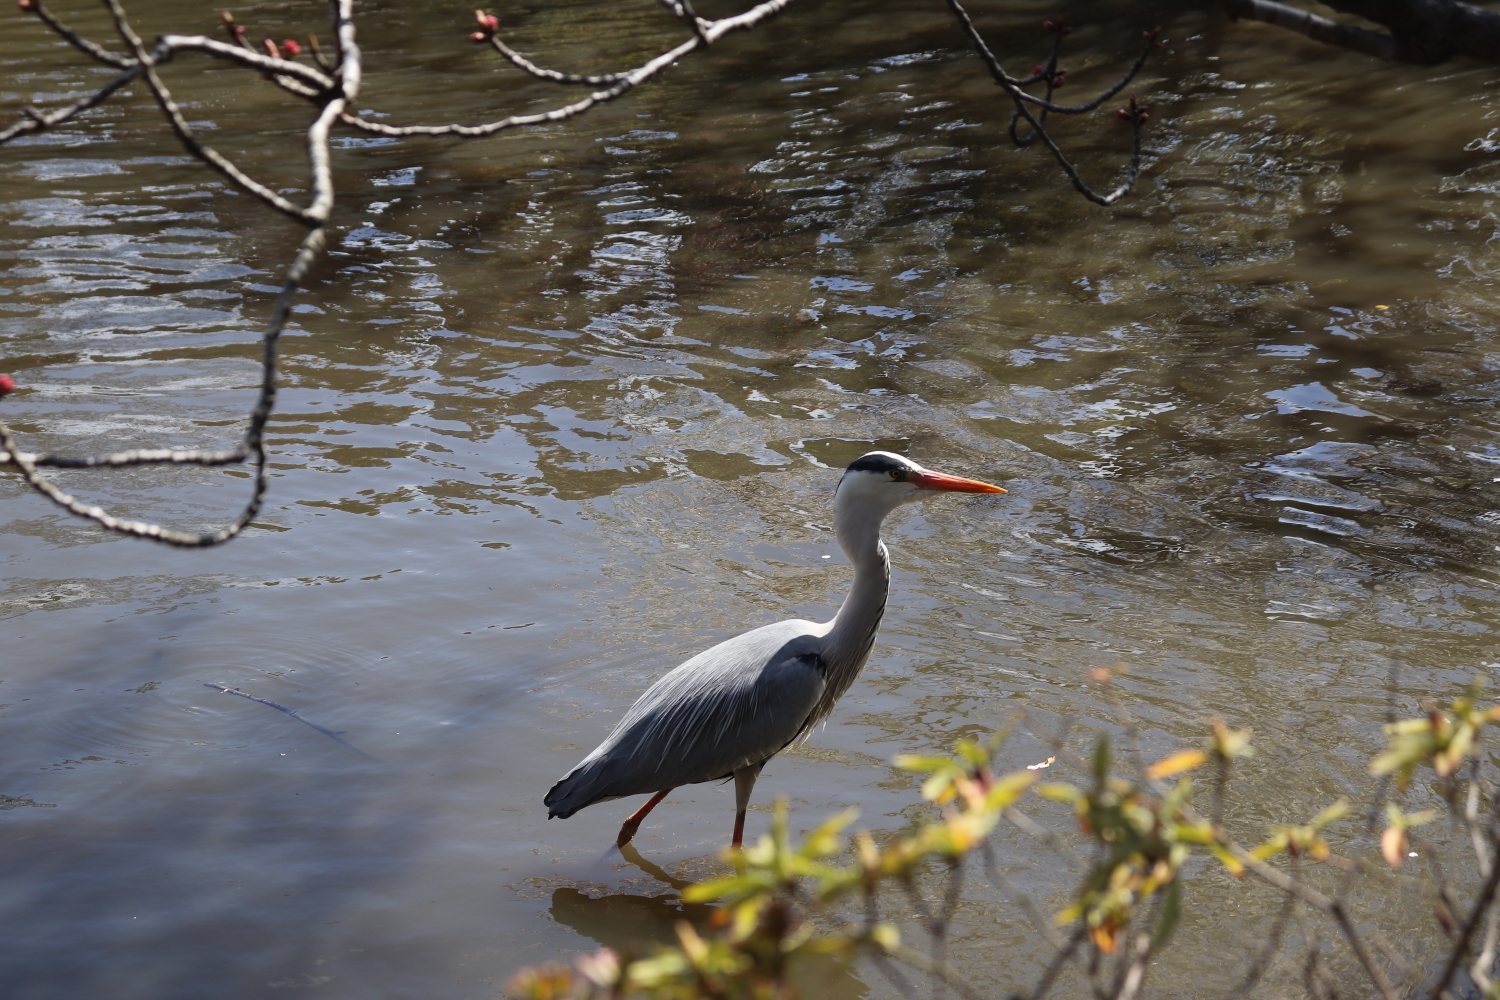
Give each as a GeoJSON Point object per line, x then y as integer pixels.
{"type": "Point", "coordinates": [851, 633]}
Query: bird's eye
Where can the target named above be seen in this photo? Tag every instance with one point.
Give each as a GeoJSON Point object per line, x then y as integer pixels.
{"type": "Point", "coordinates": [898, 474]}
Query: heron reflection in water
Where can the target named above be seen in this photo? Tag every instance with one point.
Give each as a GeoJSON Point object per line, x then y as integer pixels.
{"type": "Point", "coordinates": [728, 710]}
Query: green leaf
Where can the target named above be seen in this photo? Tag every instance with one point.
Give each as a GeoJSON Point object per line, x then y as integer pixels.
{"type": "Point", "coordinates": [972, 752]}
{"type": "Point", "coordinates": [1008, 790]}
{"type": "Point", "coordinates": [886, 935]}
{"type": "Point", "coordinates": [1183, 760]}
{"type": "Point", "coordinates": [1171, 911]}
{"type": "Point", "coordinates": [938, 787]}
{"type": "Point", "coordinates": [1101, 759]}
{"type": "Point", "coordinates": [825, 840]}
{"type": "Point", "coordinates": [1058, 791]}
{"type": "Point", "coordinates": [1227, 860]}
{"type": "Point", "coordinates": [922, 763]}
{"type": "Point", "coordinates": [1337, 811]}
{"type": "Point", "coordinates": [719, 888]}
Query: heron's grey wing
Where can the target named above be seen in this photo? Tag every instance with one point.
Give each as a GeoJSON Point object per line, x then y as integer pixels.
{"type": "Point", "coordinates": [728, 707]}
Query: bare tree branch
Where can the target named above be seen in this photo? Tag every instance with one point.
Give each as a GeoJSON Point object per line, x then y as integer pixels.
{"type": "Point", "coordinates": [184, 131]}
{"type": "Point", "coordinates": [1013, 86]}
{"type": "Point", "coordinates": [88, 48]}
{"type": "Point", "coordinates": [623, 83]}
{"type": "Point", "coordinates": [1466, 935]}
{"type": "Point", "coordinates": [543, 73]}
{"type": "Point", "coordinates": [1333, 907]}
{"type": "Point", "coordinates": [1262, 961]}
{"type": "Point", "coordinates": [1058, 963]}
{"type": "Point", "coordinates": [331, 85]}
{"type": "Point", "coordinates": [1135, 974]}
{"type": "Point", "coordinates": [314, 216]}
{"type": "Point", "coordinates": [1425, 32]}
{"type": "Point", "coordinates": [36, 121]}
{"type": "Point", "coordinates": [320, 84]}
{"type": "Point", "coordinates": [1316, 27]}
{"type": "Point", "coordinates": [684, 11]}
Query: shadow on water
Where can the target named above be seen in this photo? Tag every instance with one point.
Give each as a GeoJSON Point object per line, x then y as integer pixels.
{"type": "Point", "coordinates": [631, 923]}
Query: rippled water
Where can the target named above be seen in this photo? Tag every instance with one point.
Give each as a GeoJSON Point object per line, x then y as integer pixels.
{"type": "Point", "coordinates": [566, 406]}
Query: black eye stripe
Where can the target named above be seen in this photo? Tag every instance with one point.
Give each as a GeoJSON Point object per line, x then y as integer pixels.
{"type": "Point", "coordinates": [876, 462]}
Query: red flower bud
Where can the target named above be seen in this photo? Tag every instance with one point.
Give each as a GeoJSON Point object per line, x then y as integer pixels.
{"type": "Point", "coordinates": [8, 384]}
{"type": "Point", "coordinates": [479, 38]}
{"type": "Point", "coordinates": [291, 48]}
{"type": "Point", "coordinates": [1122, 113]}
{"type": "Point", "coordinates": [1038, 70]}
{"type": "Point", "coordinates": [492, 23]}
{"type": "Point", "coordinates": [240, 31]}
{"type": "Point", "coordinates": [1048, 26]}
{"type": "Point", "coordinates": [26, 7]}
{"type": "Point", "coordinates": [1144, 118]}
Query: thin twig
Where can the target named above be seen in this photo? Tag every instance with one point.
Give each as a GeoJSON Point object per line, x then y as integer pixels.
{"type": "Point", "coordinates": [1058, 963]}
{"type": "Point", "coordinates": [91, 49]}
{"type": "Point", "coordinates": [35, 121]}
{"type": "Point", "coordinates": [1262, 963]}
{"type": "Point", "coordinates": [1031, 826]}
{"type": "Point", "coordinates": [1043, 923]}
{"type": "Point", "coordinates": [1317, 27]}
{"type": "Point", "coordinates": [1135, 973]}
{"type": "Point", "coordinates": [1011, 85]}
{"type": "Point", "coordinates": [623, 85]}
{"type": "Point", "coordinates": [1050, 75]}
{"type": "Point", "coordinates": [1333, 907]}
{"type": "Point", "coordinates": [1461, 947]}
{"type": "Point", "coordinates": [555, 76]}
{"type": "Point", "coordinates": [683, 9]}
{"type": "Point", "coordinates": [917, 960]}
{"type": "Point", "coordinates": [336, 737]}
{"type": "Point", "coordinates": [939, 927]}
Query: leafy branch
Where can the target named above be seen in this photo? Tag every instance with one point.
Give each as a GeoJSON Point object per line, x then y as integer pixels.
{"type": "Point", "coordinates": [785, 901]}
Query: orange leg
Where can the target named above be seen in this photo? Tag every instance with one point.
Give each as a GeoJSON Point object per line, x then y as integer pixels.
{"type": "Point", "coordinates": [744, 783]}
{"type": "Point", "coordinates": [633, 824]}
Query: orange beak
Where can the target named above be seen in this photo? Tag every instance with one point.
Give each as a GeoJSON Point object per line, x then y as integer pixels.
{"type": "Point", "coordinates": [927, 480]}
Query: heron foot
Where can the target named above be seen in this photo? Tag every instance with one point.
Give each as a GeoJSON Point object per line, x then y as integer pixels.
{"type": "Point", "coordinates": [631, 825]}
{"type": "Point", "coordinates": [627, 831]}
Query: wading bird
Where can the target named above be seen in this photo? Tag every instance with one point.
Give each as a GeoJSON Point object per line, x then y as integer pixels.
{"type": "Point", "coordinates": [729, 709]}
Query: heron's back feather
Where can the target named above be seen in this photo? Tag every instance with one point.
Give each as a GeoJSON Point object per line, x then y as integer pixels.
{"type": "Point", "coordinates": [730, 706]}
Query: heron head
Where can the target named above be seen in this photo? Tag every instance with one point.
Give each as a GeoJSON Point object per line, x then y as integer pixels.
{"type": "Point", "coordinates": [882, 479]}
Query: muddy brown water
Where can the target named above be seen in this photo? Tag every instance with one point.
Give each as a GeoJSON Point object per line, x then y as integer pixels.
{"type": "Point", "coordinates": [566, 406]}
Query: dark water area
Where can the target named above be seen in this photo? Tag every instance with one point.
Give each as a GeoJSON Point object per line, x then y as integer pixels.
{"type": "Point", "coordinates": [565, 406]}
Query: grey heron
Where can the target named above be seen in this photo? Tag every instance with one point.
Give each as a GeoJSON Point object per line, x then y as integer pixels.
{"type": "Point", "coordinates": [731, 708]}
